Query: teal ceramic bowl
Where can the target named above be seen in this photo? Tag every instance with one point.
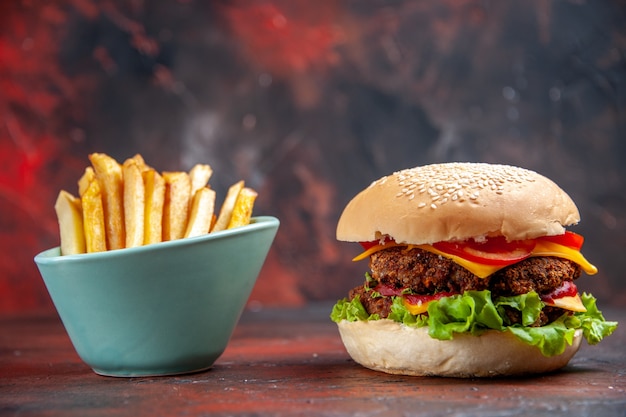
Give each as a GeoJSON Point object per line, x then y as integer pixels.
{"type": "Point", "coordinates": [161, 309]}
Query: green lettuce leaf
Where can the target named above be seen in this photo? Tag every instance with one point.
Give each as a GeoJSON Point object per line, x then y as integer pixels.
{"type": "Point", "coordinates": [475, 311]}
{"type": "Point", "coordinates": [400, 314]}
{"type": "Point", "coordinates": [351, 311]}
{"type": "Point", "coordinates": [551, 339]}
{"type": "Point", "coordinates": [592, 322]}
{"type": "Point", "coordinates": [472, 311]}
{"type": "Point", "coordinates": [529, 305]}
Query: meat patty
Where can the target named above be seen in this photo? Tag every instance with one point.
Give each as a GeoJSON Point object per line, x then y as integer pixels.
{"type": "Point", "coordinates": [424, 272]}
{"type": "Point", "coordinates": [421, 271]}
{"type": "Point", "coordinates": [542, 274]}
{"type": "Point", "coordinates": [372, 304]}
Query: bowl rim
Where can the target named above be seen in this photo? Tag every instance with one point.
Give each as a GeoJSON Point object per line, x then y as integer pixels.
{"type": "Point", "coordinates": [47, 256]}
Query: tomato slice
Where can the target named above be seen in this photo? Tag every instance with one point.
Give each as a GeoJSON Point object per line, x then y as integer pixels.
{"type": "Point", "coordinates": [493, 251]}
{"type": "Point", "coordinates": [388, 290]}
{"type": "Point", "coordinates": [415, 299]}
{"type": "Point", "coordinates": [368, 245]}
{"type": "Point", "coordinates": [569, 239]}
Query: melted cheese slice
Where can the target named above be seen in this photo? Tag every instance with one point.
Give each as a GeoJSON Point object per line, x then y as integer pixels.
{"type": "Point", "coordinates": [542, 248]}
{"type": "Point", "coordinates": [416, 309]}
{"type": "Point", "coordinates": [568, 303]}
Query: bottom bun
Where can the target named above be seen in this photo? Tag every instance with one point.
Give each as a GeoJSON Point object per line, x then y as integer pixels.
{"type": "Point", "coordinates": [388, 346]}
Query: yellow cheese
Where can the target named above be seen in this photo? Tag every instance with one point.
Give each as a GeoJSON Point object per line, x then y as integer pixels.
{"type": "Point", "coordinates": [542, 248]}
{"type": "Point", "coordinates": [367, 253]}
{"type": "Point", "coordinates": [416, 309]}
{"type": "Point", "coordinates": [568, 303]}
{"type": "Point", "coordinates": [478, 269]}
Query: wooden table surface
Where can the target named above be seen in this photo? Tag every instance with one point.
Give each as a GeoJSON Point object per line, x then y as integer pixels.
{"type": "Point", "coordinates": [292, 362]}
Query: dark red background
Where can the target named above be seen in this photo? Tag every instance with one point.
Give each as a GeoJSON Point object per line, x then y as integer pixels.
{"type": "Point", "coordinates": [309, 102]}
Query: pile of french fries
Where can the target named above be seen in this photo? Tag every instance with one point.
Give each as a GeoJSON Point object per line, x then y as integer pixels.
{"type": "Point", "coordinates": [131, 204]}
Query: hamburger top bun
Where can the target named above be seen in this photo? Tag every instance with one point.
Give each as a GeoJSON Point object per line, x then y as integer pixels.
{"type": "Point", "coordinates": [391, 347]}
{"type": "Point", "coordinates": [457, 201]}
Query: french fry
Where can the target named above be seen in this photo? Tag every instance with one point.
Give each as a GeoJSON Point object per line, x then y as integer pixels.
{"type": "Point", "coordinates": [201, 214]}
{"type": "Point", "coordinates": [70, 216]}
{"type": "Point", "coordinates": [242, 212]}
{"type": "Point", "coordinates": [199, 175]}
{"type": "Point", "coordinates": [93, 218]}
{"type": "Point", "coordinates": [131, 204]}
{"type": "Point", "coordinates": [141, 164]}
{"type": "Point", "coordinates": [109, 175]}
{"type": "Point", "coordinates": [83, 183]}
{"type": "Point", "coordinates": [134, 202]}
{"type": "Point", "coordinates": [176, 205]}
{"type": "Point", "coordinates": [227, 207]}
{"type": "Point", "coordinates": [154, 186]}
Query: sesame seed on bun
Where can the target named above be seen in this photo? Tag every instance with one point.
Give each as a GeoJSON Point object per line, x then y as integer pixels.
{"type": "Point", "coordinates": [458, 201]}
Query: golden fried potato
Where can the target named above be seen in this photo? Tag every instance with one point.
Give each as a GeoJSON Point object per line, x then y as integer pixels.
{"type": "Point", "coordinates": [93, 218]}
{"type": "Point", "coordinates": [227, 207]}
{"type": "Point", "coordinates": [199, 175]}
{"type": "Point", "coordinates": [201, 214]}
{"type": "Point", "coordinates": [154, 185]}
{"type": "Point", "coordinates": [131, 204]}
{"type": "Point", "coordinates": [242, 211]}
{"type": "Point", "coordinates": [83, 183]}
{"type": "Point", "coordinates": [141, 164]}
{"type": "Point", "coordinates": [70, 217]}
{"type": "Point", "coordinates": [109, 175]}
{"type": "Point", "coordinates": [134, 202]}
{"type": "Point", "coordinates": [176, 206]}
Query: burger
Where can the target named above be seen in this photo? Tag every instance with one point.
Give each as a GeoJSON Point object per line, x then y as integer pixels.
{"type": "Point", "coordinates": [471, 274]}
